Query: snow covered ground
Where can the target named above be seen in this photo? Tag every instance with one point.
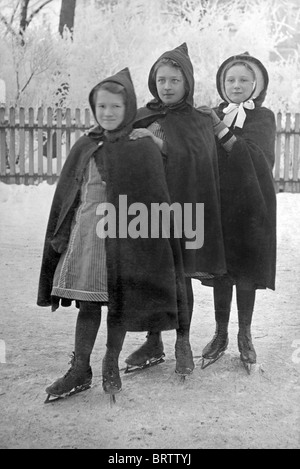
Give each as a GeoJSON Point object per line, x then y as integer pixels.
{"type": "Point", "coordinates": [219, 407]}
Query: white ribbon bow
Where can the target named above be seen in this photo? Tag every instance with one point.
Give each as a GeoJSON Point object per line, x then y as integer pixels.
{"type": "Point", "coordinates": [234, 109]}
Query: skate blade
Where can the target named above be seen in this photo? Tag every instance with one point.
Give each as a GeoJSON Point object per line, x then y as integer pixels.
{"type": "Point", "coordinates": [249, 367]}
{"type": "Point", "coordinates": [209, 361]}
{"type": "Point", "coordinates": [183, 375]}
{"type": "Point", "coordinates": [146, 364]}
{"type": "Point", "coordinates": [112, 395]}
{"type": "Point", "coordinates": [52, 398]}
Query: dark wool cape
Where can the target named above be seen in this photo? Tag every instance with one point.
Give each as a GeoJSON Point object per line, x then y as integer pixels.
{"type": "Point", "coordinates": [146, 286]}
{"type": "Point", "coordinates": [248, 196]}
{"type": "Point", "coordinates": [191, 164]}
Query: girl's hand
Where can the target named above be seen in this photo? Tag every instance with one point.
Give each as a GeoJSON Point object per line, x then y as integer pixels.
{"type": "Point", "coordinates": [211, 113]}
{"type": "Point", "coordinates": [140, 133]}
{"type": "Point", "coordinates": [204, 109]}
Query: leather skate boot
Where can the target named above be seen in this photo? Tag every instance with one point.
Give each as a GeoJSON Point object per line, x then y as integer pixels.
{"type": "Point", "coordinates": [216, 347]}
{"type": "Point", "coordinates": [149, 354]}
{"type": "Point", "coordinates": [184, 356]}
{"type": "Point", "coordinates": [245, 303]}
{"type": "Point", "coordinates": [111, 381]}
{"type": "Point", "coordinates": [77, 379]}
{"type": "Point", "coordinates": [222, 302]}
{"type": "Point", "coordinates": [246, 349]}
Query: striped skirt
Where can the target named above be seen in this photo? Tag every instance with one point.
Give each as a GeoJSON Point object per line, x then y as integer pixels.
{"type": "Point", "coordinates": [81, 273]}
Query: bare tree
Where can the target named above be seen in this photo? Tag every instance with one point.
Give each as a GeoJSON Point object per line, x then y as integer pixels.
{"type": "Point", "coordinates": [27, 11]}
{"type": "Point", "coordinates": [27, 16]}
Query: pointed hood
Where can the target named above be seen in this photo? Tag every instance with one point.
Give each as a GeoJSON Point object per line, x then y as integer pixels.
{"type": "Point", "coordinates": [123, 78]}
{"type": "Point", "coordinates": [261, 77]}
{"type": "Point", "coordinates": [181, 56]}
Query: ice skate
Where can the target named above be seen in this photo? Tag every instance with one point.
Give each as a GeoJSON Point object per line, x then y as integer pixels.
{"type": "Point", "coordinates": [149, 354]}
{"type": "Point", "coordinates": [76, 380]}
{"type": "Point", "coordinates": [247, 351]}
{"type": "Point", "coordinates": [215, 349]}
{"type": "Point", "coordinates": [111, 381]}
{"type": "Point", "coordinates": [184, 357]}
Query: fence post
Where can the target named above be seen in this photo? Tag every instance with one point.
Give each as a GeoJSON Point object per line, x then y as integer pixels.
{"type": "Point", "coordinates": [12, 144]}
{"type": "Point", "coordinates": [49, 143]}
{"type": "Point", "coordinates": [77, 124]}
{"type": "Point", "coordinates": [287, 135]}
{"type": "Point", "coordinates": [278, 152]}
{"type": "Point", "coordinates": [68, 133]}
{"type": "Point", "coordinates": [40, 144]}
{"type": "Point", "coordinates": [87, 119]}
{"type": "Point", "coordinates": [3, 144]}
{"type": "Point", "coordinates": [22, 145]}
{"type": "Point", "coordinates": [296, 155]}
{"type": "Point", "coordinates": [58, 141]}
{"type": "Point", "coordinates": [31, 145]}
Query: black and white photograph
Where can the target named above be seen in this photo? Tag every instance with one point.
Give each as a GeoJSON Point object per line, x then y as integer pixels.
{"type": "Point", "coordinates": [150, 227]}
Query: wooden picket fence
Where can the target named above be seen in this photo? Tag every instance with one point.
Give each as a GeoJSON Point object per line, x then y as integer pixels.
{"type": "Point", "coordinates": [33, 148]}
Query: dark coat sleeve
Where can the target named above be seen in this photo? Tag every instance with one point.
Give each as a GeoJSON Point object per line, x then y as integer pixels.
{"type": "Point", "coordinates": [259, 134]}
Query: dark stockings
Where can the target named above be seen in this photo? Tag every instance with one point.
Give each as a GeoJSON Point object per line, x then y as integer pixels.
{"type": "Point", "coordinates": [183, 352]}
{"type": "Point", "coordinates": [245, 303]}
{"type": "Point", "coordinates": [115, 338]}
{"type": "Point", "coordinates": [87, 326]}
{"type": "Point", "coordinates": [222, 303]}
{"type": "Point", "coordinates": [190, 304]}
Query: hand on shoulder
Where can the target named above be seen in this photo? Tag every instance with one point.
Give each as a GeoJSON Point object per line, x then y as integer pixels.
{"type": "Point", "coordinates": [142, 133]}
{"type": "Point", "coordinates": [210, 112]}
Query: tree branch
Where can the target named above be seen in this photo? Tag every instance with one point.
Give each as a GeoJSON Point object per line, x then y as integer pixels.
{"type": "Point", "coordinates": [14, 12]}
{"type": "Point", "coordinates": [35, 12]}
{"type": "Point", "coordinates": [9, 27]}
{"type": "Point", "coordinates": [27, 82]}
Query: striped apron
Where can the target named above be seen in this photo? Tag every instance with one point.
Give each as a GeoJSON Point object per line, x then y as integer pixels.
{"type": "Point", "coordinates": [81, 273]}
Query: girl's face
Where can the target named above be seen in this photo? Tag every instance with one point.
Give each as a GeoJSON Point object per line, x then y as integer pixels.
{"type": "Point", "coordinates": [169, 84]}
{"type": "Point", "coordinates": [110, 109]}
{"type": "Point", "coordinates": [239, 83]}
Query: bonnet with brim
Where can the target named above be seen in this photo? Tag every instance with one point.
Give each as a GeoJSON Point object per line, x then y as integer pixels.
{"type": "Point", "coordinates": [261, 82]}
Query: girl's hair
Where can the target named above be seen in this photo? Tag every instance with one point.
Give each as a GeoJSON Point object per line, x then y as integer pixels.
{"type": "Point", "coordinates": [112, 87]}
{"type": "Point", "coordinates": [247, 66]}
{"type": "Point", "coordinates": [166, 61]}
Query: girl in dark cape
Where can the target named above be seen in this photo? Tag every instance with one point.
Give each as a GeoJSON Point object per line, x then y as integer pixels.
{"type": "Point", "coordinates": [187, 143]}
{"type": "Point", "coordinates": [89, 258]}
{"type": "Point", "coordinates": [245, 132]}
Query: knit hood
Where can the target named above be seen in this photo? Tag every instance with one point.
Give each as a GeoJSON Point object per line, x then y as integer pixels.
{"type": "Point", "coordinates": [123, 78]}
{"type": "Point", "coordinates": [261, 75]}
{"type": "Point", "coordinates": [181, 57]}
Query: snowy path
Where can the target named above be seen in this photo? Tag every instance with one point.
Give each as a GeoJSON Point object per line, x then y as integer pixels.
{"type": "Point", "coordinates": [220, 407]}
